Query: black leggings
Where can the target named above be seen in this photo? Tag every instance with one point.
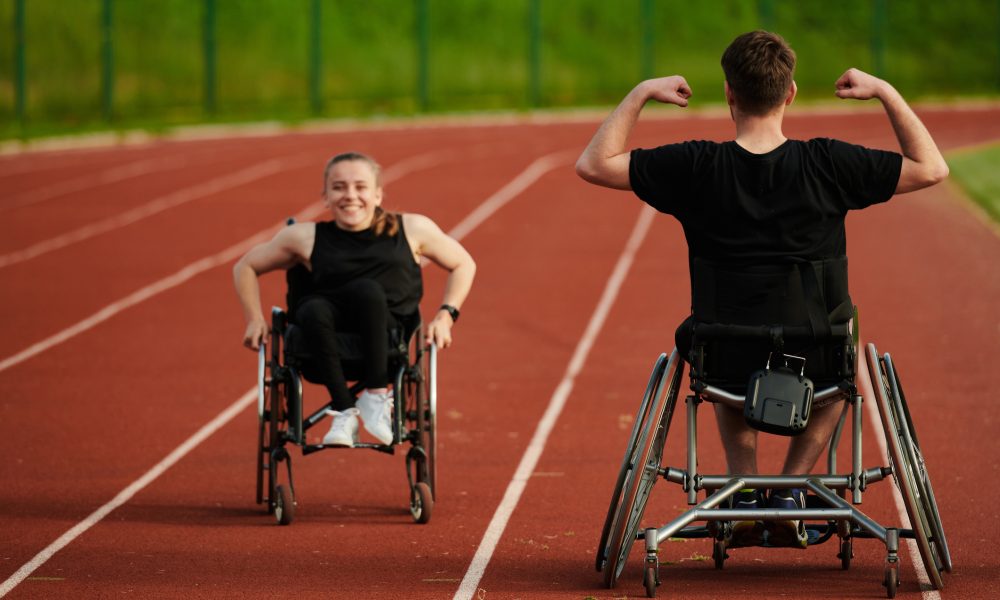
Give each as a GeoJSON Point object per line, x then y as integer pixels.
{"type": "Point", "coordinates": [358, 307]}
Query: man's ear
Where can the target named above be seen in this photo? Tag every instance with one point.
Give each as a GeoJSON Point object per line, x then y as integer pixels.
{"type": "Point", "coordinates": [792, 91]}
{"type": "Point", "coordinates": [729, 93]}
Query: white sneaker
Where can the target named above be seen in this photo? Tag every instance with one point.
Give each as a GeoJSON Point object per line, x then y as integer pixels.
{"type": "Point", "coordinates": [343, 430]}
{"type": "Point", "coordinates": [376, 413]}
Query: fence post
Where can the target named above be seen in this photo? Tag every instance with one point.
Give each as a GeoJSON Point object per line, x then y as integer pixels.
{"type": "Point", "coordinates": [646, 16]}
{"type": "Point", "coordinates": [878, 38]}
{"type": "Point", "coordinates": [316, 59]}
{"type": "Point", "coordinates": [107, 61]}
{"type": "Point", "coordinates": [534, 53]}
{"type": "Point", "coordinates": [209, 55]}
{"type": "Point", "coordinates": [765, 12]}
{"type": "Point", "coordinates": [19, 78]}
{"type": "Point", "coordinates": [423, 55]}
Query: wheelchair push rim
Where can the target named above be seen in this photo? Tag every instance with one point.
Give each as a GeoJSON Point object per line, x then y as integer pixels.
{"type": "Point", "coordinates": [644, 472]}
{"type": "Point", "coordinates": [629, 459]}
{"type": "Point", "coordinates": [903, 467]}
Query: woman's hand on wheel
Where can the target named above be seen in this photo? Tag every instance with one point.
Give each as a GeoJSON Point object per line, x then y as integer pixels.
{"type": "Point", "coordinates": [439, 331]}
{"type": "Point", "coordinates": [255, 333]}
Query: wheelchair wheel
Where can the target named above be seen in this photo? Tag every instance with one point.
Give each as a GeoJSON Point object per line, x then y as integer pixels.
{"type": "Point", "coordinates": [284, 505]}
{"type": "Point", "coordinates": [908, 467]}
{"type": "Point", "coordinates": [629, 460]}
{"type": "Point", "coordinates": [421, 502]}
{"type": "Point", "coordinates": [642, 468]}
{"type": "Point", "coordinates": [427, 417]}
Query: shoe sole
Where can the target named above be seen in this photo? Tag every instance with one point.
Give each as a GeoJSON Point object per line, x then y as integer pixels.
{"type": "Point", "coordinates": [747, 533]}
{"type": "Point", "coordinates": [786, 535]}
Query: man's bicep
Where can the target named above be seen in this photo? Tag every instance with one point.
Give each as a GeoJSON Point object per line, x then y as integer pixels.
{"type": "Point", "coordinates": [912, 177]}
{"type": "Point", "coordinates": [611, 172]}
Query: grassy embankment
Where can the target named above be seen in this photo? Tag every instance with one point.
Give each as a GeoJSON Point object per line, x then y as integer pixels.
{"type": "Point", "coordinates": [976, 172]}
{"type": "Point", "coordinates": [589, 54]}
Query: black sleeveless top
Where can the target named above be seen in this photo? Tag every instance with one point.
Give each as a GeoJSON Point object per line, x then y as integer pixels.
{"type": "Point", "coordinates": [340, 256]}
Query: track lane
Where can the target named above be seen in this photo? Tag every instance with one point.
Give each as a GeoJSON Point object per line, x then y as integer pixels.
{"type": "Point", "coordinates": [151, 510]}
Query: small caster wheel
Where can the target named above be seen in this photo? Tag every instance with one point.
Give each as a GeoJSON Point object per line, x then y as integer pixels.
{"type": "Point", "coordinates": [649, 579]}
{"type": "Point", "coordinates": [719, 553]}
{"type": "Point", "coordinates": [284, 505]}
{"type": "Point", "coordinates": [421, 502]}
{"type": "Point", "coordinates": [846, 554]}
{"type": "Point", "coordinates": [891, 582]}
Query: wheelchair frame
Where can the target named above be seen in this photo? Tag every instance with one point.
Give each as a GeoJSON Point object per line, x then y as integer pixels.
{"type": "Point", "coordinates": [641, 468]}
{"type": "Point", "coordinates": [281, 422]}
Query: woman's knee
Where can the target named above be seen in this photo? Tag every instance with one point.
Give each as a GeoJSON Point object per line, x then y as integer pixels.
{"type": "Point", "coordinates": [314, 311]}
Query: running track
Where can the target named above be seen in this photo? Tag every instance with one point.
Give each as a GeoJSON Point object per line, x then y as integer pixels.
{"type": "Point", "coordinates": [121, 342]}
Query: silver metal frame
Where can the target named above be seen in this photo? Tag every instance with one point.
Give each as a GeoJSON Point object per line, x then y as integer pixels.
{"type": "Point", "coordinates": [850, 521]}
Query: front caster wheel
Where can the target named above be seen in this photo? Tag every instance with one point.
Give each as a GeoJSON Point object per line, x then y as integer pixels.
{"type": "Point", "coordinates": [421, 502]}
{"type": "Point", "coordinates": [719, 553]}
{"type": "Point", "coordinates": [891, 582]}
{"type": "Point", "coordinates": [846, 554]}
{"type": "Point", "coordinates": [284, 505]}
{"type": "Point", "coordinates": [649, 580]}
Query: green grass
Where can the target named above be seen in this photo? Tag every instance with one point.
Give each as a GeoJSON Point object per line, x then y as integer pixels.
{"type": "Point", "coordinates": [589, 53]}
{"type": "Point", "coordinates": [976, 171]}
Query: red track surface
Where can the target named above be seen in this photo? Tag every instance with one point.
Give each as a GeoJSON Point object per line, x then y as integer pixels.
{"type": "Point", "coordinates": [82, 420]}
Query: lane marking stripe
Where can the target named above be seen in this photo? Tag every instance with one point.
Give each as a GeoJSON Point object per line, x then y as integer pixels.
{"type": "Point", "coordinates": [395, 172]}
{"type": "Point", "coordinates": [470, 583]}
{"type": "Point", "coordinates": [171, 200]}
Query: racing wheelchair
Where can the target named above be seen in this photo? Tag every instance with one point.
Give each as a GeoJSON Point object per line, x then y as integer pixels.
{"type": "Point", "coordinates": [713, 349]}
{"type": "Point", "coordinates": [283, 362]}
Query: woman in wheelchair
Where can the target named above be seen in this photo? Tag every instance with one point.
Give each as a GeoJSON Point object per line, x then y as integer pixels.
{"type": "Point", "coordinates": [358, 272]}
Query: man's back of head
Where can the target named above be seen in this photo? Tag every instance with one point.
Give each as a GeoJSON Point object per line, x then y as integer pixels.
{"type": "Point", "coordinates": [759, 68]}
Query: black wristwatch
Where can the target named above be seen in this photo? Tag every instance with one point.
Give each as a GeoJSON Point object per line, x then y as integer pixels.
{"type": "Point", "coordinates": [452, 312]}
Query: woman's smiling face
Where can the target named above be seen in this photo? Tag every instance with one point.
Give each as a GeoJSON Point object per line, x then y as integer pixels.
{"type": "Point", "coordinates": [351, 194]}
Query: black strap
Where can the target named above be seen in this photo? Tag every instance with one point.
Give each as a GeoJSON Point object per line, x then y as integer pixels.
{"type": "Point", "coordinates": [812, 293]}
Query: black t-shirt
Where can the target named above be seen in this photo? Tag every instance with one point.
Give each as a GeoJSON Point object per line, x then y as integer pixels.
{"type": "Point", "coordinates": [736, 206]}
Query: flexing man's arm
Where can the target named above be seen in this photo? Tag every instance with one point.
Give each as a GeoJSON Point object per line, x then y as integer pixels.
{"type": "Point", "coordinates": [605, 161]}
{"type": "Point", "coordinates": [923, 165]}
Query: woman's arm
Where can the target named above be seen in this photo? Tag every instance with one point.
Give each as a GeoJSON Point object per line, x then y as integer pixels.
{"type": "Point", "coordinates": [429, 241]}
{"type": "Point", "coordinates": [287, 248]}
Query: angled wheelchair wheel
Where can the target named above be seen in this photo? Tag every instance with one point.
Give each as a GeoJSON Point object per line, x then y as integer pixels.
{"type": "Point", "coordinates": [263, 421]}
{"type": "Point", "coordinates": [641, 468]}
{"type": "Point", "coordinates": [427, 416]}
{"type": "Point", "coordinates": [909, 470]}
{"type": "Point", "coordinates": [629, 460]}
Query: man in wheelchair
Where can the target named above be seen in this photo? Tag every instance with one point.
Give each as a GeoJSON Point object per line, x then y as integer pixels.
{"type": "Point", "coordinates": [360, 273]}
{"type": "Point", "coordinates": [763, 216]}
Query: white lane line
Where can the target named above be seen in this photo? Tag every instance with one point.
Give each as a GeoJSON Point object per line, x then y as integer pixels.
{"type": "Point", "coordinates": [929, 593]}
{"type": "Point", "coordinates": [470, 583]}
{"type": "Point", "coordinates": [126, 494]}
{"type": "Point", "coordinates": [91, 180]}
{"type": "Point", "coordinates": [394, 172]}
{"type": "Point", "coordinates": [171, 200]}
{"type": "Point", "coordinates": [536, 169]}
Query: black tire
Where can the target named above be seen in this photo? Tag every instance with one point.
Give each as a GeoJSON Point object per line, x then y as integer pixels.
{"type": "Point", "coordinates": [284, 505]}
{"type": "Point", "coordinates": [421, 502]}
{"type": "Point", "coordinates": [922, 478]}
{"type": "Point", "coordinates": [719, 553]}
{"type": "Point", "coordinates": [642, 471]}
{"type": "Point", "coordinates": [649, 581]}
{"type": "Point", "coordinates": [846, 554]}
{"type": "Point", "coordinates": [907, 466]}
{"type": "Point", "coordinates": [891, 581]}
{"type": "Point", "coordinates": [629, 460]}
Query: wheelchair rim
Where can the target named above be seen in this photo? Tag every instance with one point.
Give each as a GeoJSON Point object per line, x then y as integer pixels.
{"type": "Point", "coordinates": [902, 466]}
{"type": "Point", "coordinates": [640, 479]}
{"type": "Point", "coordinates": [629, 458]}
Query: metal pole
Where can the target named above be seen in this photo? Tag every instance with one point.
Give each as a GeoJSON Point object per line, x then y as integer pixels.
{"type": "Point", "coordinates": [765, 12]}
{"type": "Point", "coordinates": [19, 78]}
{"type": "Point", "coordinates": [209, 48]}
{"type": "Point", "coordinates": [534, 53]}
{"type": "Point", "coordinates": [646, 18]}
{"type": "Point", "coordinates": [316, 59]}
{"type": "Point", "coordinates": [107, 60]}
{"type": "Point", "coordinates": [423, 55]}
{"type": "Point", "coordinates": [878, 37]}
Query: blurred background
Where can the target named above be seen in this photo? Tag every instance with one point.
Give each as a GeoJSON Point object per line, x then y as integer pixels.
{"type": "Point", "coordinates": [81, 65]}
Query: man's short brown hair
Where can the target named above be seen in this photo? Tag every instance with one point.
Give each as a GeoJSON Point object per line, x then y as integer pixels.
{"type": "Point", "coordinates": [759, 67]}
